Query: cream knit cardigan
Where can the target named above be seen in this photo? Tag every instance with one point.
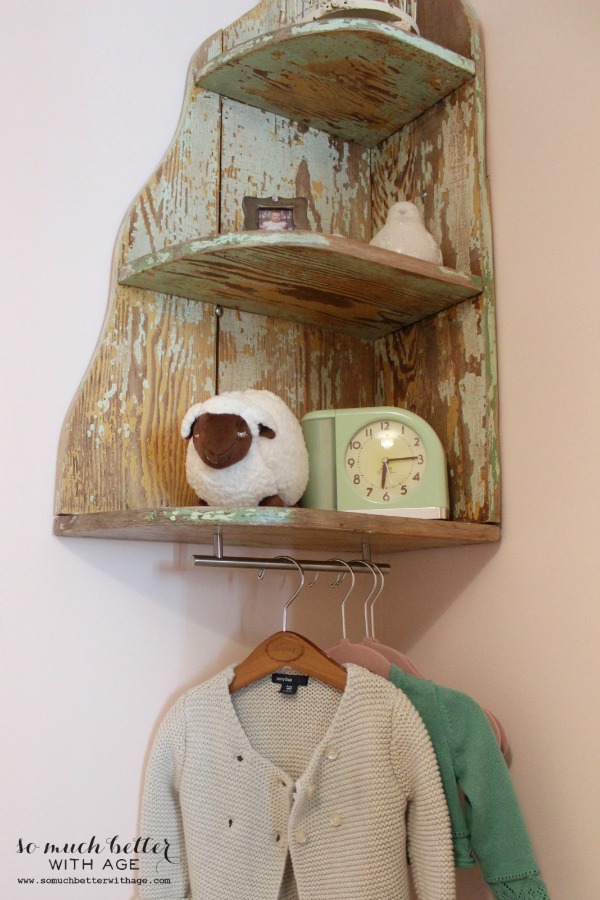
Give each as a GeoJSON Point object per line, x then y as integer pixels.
{"type": "Point", "coordinates": [342, 786]}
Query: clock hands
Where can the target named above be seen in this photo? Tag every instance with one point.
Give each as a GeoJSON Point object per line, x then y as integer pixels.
{"type": "Point", "coordinates": [384, 466]}
{"type": "Point", "coordinates": [384, 471]}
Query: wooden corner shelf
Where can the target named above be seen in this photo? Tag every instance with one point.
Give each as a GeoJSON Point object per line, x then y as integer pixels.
{"type": "Point", "coordinates": [294, 528]}
{"type": "Point", "coordinates": [326, 280]}
{"type": "Point", "coordinates": [358, 79]}
{"type": "Point", "coordinates": [353, 115]}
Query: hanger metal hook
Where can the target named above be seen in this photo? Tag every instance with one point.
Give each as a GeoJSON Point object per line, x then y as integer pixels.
{"type": "Point", "coordinates": [343, 562]}
{"type": "Point", "coordinates": [371, 566]}
{"type": "Point", "coordinates": [376, 597]}
{"type": "Point", "coordinates": [293, 597]}
{"type": "Point", "coordinates": [339, 578]}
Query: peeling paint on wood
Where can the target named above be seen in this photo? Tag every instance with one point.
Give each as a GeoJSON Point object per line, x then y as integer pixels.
{"type": "Point", "coordinates": [120, 449]}
{"type": "Point", "coordinates": [307, 277]}
{"type": "Point", "coordinates": [297, 529]}
{"type": "Point", "coordinates": [265, 155]}
{"type": "Point", "coordinates": [358, 79]}
{"type": "Point", "coordinates": [310, 368]}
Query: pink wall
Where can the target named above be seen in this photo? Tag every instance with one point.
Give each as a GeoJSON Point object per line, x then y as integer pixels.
{"type": "Point", "coordinates": [98, 637]}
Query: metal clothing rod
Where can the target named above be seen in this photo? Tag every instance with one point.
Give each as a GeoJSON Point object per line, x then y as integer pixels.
{"type": "Point", "coordinates": [284, 563]}
{"type": "Point", "coordinates": [309, 565]}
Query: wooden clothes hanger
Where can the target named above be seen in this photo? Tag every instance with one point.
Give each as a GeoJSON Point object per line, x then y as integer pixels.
{"type": "Point", "coordinates": [288, 648]}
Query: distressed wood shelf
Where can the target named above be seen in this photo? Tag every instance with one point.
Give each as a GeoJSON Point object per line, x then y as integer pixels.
{"type": "Point", "coordinates": [318, 279]}
{"type": "Point", "coordinates": [353, 115]}
{"type": "Point", "coordinates": [294, 528]}
{"type": "Point", "coordinates": [358, 79]}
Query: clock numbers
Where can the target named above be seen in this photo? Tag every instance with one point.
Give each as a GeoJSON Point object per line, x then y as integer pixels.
{"type": "Point", "coordinates": [385, 461]}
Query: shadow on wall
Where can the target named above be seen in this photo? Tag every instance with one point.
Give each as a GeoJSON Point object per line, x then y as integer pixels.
{"type": "Point", "coordinates": [422, 586]}
{"type": "Point", "coordinates": [229, 611]}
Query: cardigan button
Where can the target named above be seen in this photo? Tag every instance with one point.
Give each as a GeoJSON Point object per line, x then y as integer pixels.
{"type": "Point", "coordinates": [300, 836]}
{"type": "Point", "coordinates": [310, 790]}
{"type": "Point", "coordinates": [335, 819]}
{"type": "Point", "coordinates": [331, 752]}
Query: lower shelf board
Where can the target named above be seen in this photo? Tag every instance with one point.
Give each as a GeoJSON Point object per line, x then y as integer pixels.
{"type": "Point", "coordinates": [294, 528]}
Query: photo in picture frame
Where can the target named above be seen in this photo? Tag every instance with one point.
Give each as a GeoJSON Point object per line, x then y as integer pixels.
{"type": "Point", "coordinates": [275, 214]}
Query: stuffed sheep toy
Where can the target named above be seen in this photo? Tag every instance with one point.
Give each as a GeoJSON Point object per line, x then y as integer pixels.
{"type": "Point", "coordinates": [246, 449]}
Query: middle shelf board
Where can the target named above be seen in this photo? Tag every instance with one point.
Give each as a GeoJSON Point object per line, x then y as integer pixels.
{"type": "Point", "coordinates": [358, 79]}
{"type": "Point", "coordinates": [319, 279]}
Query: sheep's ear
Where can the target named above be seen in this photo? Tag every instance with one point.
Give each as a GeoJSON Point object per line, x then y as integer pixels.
{"type": "Point", "coordinates": [190, 419]}
{"type": "Point", "coordinates": [265, 431]}
{"type": "Point", "coordinates": [190, 431]}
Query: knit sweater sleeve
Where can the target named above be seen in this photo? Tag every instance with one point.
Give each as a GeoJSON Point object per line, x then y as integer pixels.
{"type": "Point", "coordinates": [499, 835]}
{"type": "Point", "coordinates": [165, 872]}
{"type": "Point", "coordinates": [429, 836]}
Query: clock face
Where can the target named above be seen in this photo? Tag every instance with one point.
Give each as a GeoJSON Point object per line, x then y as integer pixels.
{"type": "Point", "coordinates": [385, 460]}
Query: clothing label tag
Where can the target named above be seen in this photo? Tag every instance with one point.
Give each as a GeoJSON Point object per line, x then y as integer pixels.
{"type": "Point", "coordinates": [289, 683]}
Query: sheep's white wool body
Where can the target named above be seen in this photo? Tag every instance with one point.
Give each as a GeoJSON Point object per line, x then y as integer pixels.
{"type": "Point", "coordinates": [271, 466]}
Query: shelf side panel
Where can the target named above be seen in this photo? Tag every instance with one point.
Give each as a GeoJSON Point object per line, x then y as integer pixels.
{"type": "Point", "coordinates": [120, 446]}
{"type": "Point", "coordinates": [265, 155]}
{"type": "Point", "coordinates": [180, 200]}
{"type": "Point", "coordinates": [309, 368]}
{"type": "Point", "coordinates": [444, 368]}
{"type": "Point", "coordinates": [266, 16]}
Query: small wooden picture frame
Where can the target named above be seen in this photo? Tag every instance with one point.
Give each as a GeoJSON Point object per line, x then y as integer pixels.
{"type": "Point", "coordinates": [275, 214]}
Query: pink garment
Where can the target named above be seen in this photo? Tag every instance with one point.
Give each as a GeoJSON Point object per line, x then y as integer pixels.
{"type": "Point", "coordinates": [403, 662]}
{"type": "Point", "coordinates": [367, 657]}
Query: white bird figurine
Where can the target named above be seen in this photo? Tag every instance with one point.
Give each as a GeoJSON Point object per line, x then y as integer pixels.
{"type": "Point", "coordinates": [404, 232]}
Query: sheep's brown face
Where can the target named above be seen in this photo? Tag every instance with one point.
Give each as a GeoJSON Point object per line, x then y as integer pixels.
{"type": "Point", "coordinates": [223, 439]}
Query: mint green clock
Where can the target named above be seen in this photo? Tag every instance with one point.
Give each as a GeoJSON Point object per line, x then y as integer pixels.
{"type": "Point", "coordinates": [380, 459]}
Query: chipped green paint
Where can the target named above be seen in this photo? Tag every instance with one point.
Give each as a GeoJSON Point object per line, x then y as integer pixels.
{"type": "Point", "coordinates": [157, 349]}
{"type": "Point", "coordinates": [487, 263]}
{"type": "Point", "coordinates": [333, 175]}
{"type": "Point", "coordinates": [358, 79]}
{"type": "Point", "coordinates": [256, 515]}
{"type": "Point", "coordinates": [317, 279]}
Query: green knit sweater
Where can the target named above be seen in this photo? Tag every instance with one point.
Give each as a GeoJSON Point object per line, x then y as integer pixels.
{"type": "Point", "coordinates": [489, 826]}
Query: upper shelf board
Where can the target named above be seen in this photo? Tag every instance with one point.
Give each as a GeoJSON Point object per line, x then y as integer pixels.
{"type": "Point", "coordinates": [358, 79]}
{"type": "Point", "coordinates": [325, 280]}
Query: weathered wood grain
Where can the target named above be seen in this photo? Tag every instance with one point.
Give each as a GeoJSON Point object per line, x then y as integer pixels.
{"type": "Point", "coordinates": [310, 368]}
{"type": "Point", "coordinates": [296, 529]}
{"type": "Point", "coordinates": [444, 369]}
{"type": "Point", "coordinates": [264, 155]}
{"type": "Point", "coordinates": [266, 16]}
{"type": "Point", "coordinates": [180, 200]}
{"type": "Point", "coordinates": [120, 445]}
{"type": "Point", "coordinates": [317, 279]}
{"type": "Point", "coordinates": [447, 23]}
{"type": "Point", "coordinates": [120, 448]}
{"type": "Point", "coordinates": [355, 78]}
